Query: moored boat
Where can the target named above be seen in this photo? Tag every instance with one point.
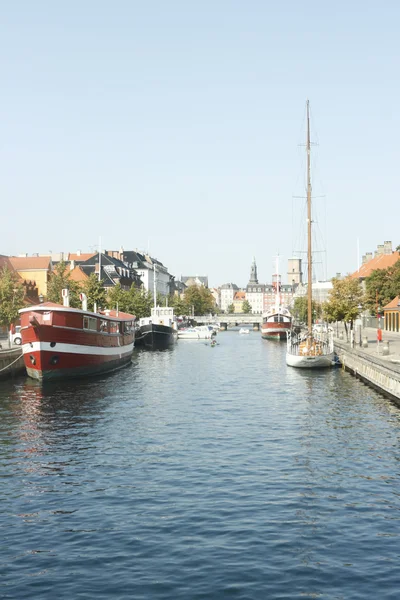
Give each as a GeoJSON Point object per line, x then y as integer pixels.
{"type": "Point", "coordinates": [201, 332]}
{"type": "Point", "coordinates": [60, 341]}
{"type": "Point", "coordinates": [312, 349]}
{"type": "Point", "coordinates": [276, 321]}
{"type": "Point", "coordinates": [158, 331]}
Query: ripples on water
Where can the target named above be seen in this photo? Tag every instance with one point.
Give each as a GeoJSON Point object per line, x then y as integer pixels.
{"type": "Point", "coordinates": [200, 473]}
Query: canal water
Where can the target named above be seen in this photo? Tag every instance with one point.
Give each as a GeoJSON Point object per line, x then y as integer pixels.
{"type": "Point", "coordinates": [200, 473]}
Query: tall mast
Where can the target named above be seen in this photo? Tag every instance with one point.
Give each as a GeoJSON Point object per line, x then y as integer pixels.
{"type": "Point", "coordinates": [154, 285]}
{"type": "Point", "coordinates": [309, 255]}
{"type": "Point", "coordinates": [278, 293]}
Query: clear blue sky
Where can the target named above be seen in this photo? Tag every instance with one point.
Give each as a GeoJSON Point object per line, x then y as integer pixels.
{"type": "Point", "coordinates": [176, 124]}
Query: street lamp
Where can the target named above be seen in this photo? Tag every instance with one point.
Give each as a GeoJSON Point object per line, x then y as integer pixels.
{"type": "Point", "coordinates": [360, 321]}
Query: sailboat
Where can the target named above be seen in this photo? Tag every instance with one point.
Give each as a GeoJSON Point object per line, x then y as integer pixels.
{"type": "Point", "coordinates": [310, 350]}
{"type": "Point", "coordinates": [277, 320]}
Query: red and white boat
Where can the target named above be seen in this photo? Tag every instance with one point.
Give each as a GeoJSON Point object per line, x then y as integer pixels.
{"type": "Point", "coordinates": [277, 321]}
{"type": "Point", "coordinates": [59, 341]}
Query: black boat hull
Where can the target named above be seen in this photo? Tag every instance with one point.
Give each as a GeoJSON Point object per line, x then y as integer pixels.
{"type": "Point", "coordinates": [155, 337]}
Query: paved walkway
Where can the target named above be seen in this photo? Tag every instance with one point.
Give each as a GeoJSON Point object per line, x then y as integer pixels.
{"type": "Point", "coordinates": [374, 349]}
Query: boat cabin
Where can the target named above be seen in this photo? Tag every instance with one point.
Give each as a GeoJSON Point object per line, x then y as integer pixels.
{"type": "Point", "coordinates": [160, 315]}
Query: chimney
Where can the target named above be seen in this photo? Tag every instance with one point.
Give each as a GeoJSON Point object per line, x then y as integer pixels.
{"type": "Point", "coordinates": [364, 259]}
{"type": "Point", "coordinates": [83, 299]}
{"type": "Point", "coordinates": [65, 296]}
{"type": "Point", "coordinates": [72, 265]}
{"type": "Point", "coordinates": [379, 249]}
{"type": "Point", "coordinates": [78, 252]}
{"type": "Point", "coordinates": [368, 256]}
{"type": "Point", "coordinates": [387, 247]}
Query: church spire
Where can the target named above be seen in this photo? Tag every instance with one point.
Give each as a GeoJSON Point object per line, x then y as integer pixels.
{"type": "Point", "coordinates": [253, 272]}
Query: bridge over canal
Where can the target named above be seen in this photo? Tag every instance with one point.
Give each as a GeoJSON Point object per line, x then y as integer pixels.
{"type": "Point", "coordinates": [231, 320]}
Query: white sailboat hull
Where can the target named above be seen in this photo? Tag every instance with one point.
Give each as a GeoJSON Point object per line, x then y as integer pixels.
{"type": "Point", "coordinates": [310, 362]}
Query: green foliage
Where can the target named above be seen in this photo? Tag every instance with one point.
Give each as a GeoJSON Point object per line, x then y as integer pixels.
{"type": "Point", "coordinates": [300, 309]}
{"type": "Point", "coordinates": [11, 297]}
{"type": "Point", "coordinates": [200, 298]}
{"type": "Point", "coordinates": [246, 307]}
{"type": "Point", "coordinates": [179, 305]}
{"type": "Point", "coordinates": [118, 298]}
{"type": "Point", "coordinates": [382, 285]}
{"type": "Point", "coordinates": [95, 292]}
{"type": "Point", "coordinates": [135, 301]}
{"type": "Point", "coordinates": [344, 300]}
{"type": "Point", "coordinates": [231, 309]}
{"type": "Point", "coordinates": [60, 279]}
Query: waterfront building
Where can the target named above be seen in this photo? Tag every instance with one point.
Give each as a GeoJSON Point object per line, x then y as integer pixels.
{"type": "Point", "coordinates": [145, 264]}
{"type": "Point", "coordinates": [238, 300]}
{"type": "Point", "coordinates": [33, 269]}
{"type": "Point", "coordinates": [228, 291]}
{"type": "Point", "coordinates": [255, 291]}
{"type": "Point", "coordinates": [112, 271]}
{"type": "Point", "coordinates": [216, 293]}
{"type": "Point", "coordinates": [295, 274]}
{"type": "Point", "coordinates": [320, 291]}
{"type": "Point", "coordinates": [383, 258]}
{"type": "Point", "coordinates": [286, 291]}
{"type": "Point", "coordinates": [195, 280]}
{"type": "Point", "coordinates": [391, 315]}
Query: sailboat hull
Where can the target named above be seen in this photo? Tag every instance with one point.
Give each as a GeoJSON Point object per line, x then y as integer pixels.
{"type": "Point", "coordinates": [310, 362]}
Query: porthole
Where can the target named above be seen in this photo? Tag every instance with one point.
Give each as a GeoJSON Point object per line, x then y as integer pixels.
{"type": "Point", "coordinates": [54, 359]}
{"type": "Point", "coordinates": [52, 344]}
{"type": "Point", "coordinates": [32, 359]}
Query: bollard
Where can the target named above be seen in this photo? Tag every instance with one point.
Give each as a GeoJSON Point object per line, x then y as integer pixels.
{"type": "Point", "coordinates": [365, 342]}
{"type": "Point", "coordinates": [385, 349]}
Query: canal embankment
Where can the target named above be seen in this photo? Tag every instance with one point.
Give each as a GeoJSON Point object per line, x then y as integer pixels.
{"type": "Point", "coordinates": [11, 362]}
{"type": "Point", "coordinates": [376, 363]}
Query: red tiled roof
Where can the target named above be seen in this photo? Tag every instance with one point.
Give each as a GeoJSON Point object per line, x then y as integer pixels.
{"type": "Point", "coordinates": [240, 296]}
{"type": "Point", "coordinates": [5, 262]}
{"type": "Point", "coordinates": [393, 303]}
{"type": "Point", "coordinates": [81, 257]}
{"type": "Point", "coordinates": [36, 263]}
{"type": "Point", "coordinates": [78, 275]}
{"type": "Point", "coordinates": [382, 261]}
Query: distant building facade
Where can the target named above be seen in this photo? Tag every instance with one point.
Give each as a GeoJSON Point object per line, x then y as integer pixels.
{"type": "Point", "coordinates": [255, 291]}
{"type": "Point", "coordinates": [228, 291]}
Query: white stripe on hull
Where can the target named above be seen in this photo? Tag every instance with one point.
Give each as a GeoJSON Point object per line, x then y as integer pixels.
{"type": "Point", "coordinates": [116, 351]}
{"type": "Point", "coordinates": [310, 362]}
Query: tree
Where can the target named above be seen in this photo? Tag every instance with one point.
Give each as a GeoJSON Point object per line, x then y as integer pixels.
{"type": "Point", "coordinates": [139, 302]}
{"type": "Point", "coordinates": [60, 279]}
{"type": "Point", "coordinates": [300, 309]}
{"type": "Point", "coordinates": [381, 286]}
{"type": "Point", "coordinates": [231, 309]}
{"type": "Point", "coordinates": [118, 298]}
{"type": "Point", "coordinates": [200, 298]}
{"type": "Point", "coordinates": [346, 298]}
{"type": "Point", "coordinates": [11, 297]}
{"type": "Point", "coordinates": [95, 292]}
{"type": "Point", "coordinates": [246, 307]}
{"type": "Point", "coordinates": [179, 305]}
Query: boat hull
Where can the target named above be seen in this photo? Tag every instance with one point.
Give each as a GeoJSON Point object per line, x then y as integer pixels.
{"type": "Point", "coordinates": [46, 363]}
{"type": "Point", "coordinates": [275, 331]}
{"type": "Point", "coordinates": [310, 362]}
{"type": "Point", "coordinates": [155, 337]}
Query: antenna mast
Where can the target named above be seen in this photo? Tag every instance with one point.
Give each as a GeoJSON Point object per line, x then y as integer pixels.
{"type": "Point", "coordinates": [309, 249]}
